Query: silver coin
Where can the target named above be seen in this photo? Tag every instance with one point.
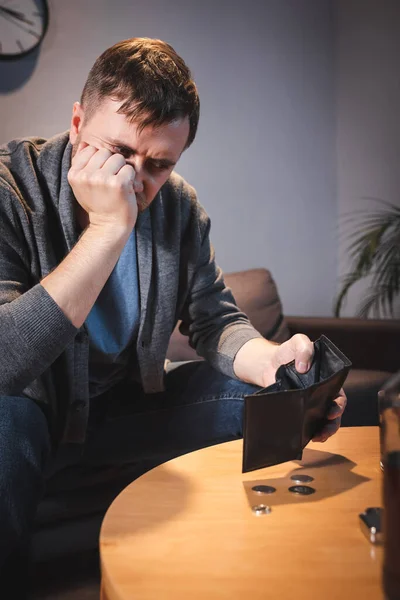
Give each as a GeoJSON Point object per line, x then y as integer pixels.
{"type": "Point", "coordinates": [261, 509]}
{"type": "Point", "coordinates": [302, 478]}
{"type": "Point", "coordinates": [263, 489]}
{"type": "Point", "coordinates": [304, 490]}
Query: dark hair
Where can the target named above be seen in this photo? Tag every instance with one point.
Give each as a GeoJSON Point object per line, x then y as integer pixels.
{"type": "Point", "coordinates": [150, 78]}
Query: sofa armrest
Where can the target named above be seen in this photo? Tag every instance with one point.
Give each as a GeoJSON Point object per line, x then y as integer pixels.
{"type": "Point", "coordinates": [368, 343]}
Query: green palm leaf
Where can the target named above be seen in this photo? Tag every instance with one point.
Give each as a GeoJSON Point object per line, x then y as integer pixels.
{"type": "Point", "coordinates": [375, 251]}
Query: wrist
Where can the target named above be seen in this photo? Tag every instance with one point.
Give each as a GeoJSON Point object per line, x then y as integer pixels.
{"type": "Point", "coordinates": [254, 362]}
{"type": "Point", "coordinates": [110, 231]}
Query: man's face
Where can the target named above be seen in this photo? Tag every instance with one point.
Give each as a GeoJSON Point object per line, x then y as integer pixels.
{"type": "Point", "coordinates": [153, 152]}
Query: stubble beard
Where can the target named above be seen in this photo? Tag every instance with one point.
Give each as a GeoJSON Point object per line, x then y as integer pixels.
{"type": "Point", "coordinates": [141, 203]}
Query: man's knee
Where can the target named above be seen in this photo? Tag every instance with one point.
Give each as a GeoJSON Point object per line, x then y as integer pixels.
{"type": "Point", "coordinates": [23, 429]}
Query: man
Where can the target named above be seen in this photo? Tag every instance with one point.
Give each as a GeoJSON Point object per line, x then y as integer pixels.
{"type": "Point", "coordinates": [103, 248]}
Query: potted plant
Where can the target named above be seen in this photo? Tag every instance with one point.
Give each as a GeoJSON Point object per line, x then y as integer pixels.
{"type": "Point", "coordinates": [375, 252]}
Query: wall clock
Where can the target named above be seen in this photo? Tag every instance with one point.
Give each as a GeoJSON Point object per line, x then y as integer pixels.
{"type": "Point", "coordinates": [23, 25]}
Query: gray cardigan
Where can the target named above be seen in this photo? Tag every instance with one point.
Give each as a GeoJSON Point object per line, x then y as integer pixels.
{"type": "Point", "coordinates": [43, 355]}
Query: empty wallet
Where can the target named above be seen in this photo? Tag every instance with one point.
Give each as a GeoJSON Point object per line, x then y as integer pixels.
{"type": "Point", "coordinates": [281, 419]}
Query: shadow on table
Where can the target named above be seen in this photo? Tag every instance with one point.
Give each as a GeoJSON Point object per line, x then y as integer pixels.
{"type": "Point", "coordinates": [332, 475]}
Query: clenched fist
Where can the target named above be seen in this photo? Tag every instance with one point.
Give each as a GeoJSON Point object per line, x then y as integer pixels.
{"type": "Point", "coordinates": [104, 186]}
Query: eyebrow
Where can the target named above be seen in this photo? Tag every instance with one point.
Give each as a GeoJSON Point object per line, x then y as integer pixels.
{"type": "Point", "coordinates": [165, 161]}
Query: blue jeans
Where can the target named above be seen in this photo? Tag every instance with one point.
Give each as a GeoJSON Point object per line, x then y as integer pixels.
{"type": "Point", "coordinates": [200, 407]}
{"type": "Point", "coordinates": [24, 450]}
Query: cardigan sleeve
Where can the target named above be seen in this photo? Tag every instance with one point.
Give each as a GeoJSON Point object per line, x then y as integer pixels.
{"type": "Point", "coordinates": [217, 329]}
{"type": "Point", "coordinates": [33, 329]}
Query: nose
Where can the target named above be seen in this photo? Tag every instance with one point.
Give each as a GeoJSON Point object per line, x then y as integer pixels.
{"type": "Point", "coordinates": [138, 185]}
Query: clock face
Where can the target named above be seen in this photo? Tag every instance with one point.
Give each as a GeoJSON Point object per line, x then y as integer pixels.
{"type": "Point", "coordinates": [23, 24]}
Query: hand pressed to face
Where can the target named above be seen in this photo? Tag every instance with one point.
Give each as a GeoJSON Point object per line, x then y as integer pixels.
{"type": "Point", "coordinates": [152, 153]}
{"type": "Point", "coordinates": [104, 186]}
{"type": "Point", "coordinates": [300, 349]}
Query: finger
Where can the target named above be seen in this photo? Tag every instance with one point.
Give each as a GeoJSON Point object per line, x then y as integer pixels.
{"type": "Point", "coordinates": [303, 352]}
{"type": "Point", "coordinates": [339, 406]}
{"type": "Point", "coordinates": [98, 159]}
{"type": "Point", "coordinates": [82, 156]}
{"type": "Point", "coordinates": [327, 431]}
{"type": "Point", "coordinates": [127, 175]}
{"type": "Point", "coordinates": [82, 146]}
{"type": "Point", "coordinates": [113, 164]}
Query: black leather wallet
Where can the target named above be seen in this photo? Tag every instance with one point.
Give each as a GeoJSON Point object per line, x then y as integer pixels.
{"type": "Point", "coordinates": [281, 419]}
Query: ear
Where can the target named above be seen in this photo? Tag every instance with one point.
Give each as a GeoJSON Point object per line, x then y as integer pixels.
{"type": "Point", "coordinates": [76, 122]}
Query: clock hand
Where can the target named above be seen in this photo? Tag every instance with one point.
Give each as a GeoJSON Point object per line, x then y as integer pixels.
{"type": "Point", "coordinates": [18, 24]}
{"type": "Point", "coordinates": [17, 15]}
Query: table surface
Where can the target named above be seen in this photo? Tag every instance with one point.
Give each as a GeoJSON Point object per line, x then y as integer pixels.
{"type": "Point", "coordinates": [186, 528]}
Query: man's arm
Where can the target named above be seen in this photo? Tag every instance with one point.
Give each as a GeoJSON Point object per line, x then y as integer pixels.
{"type": "Point", "coordinates": [224, 336]}
{"type": "Point", "coordinates": [216, 327]}
{"type": "Point", "coordinates": [76, 283]}
{"type": "Point", "coordinates": [36, 324]}
{"type": "Point", "coordinates": [103, 185]}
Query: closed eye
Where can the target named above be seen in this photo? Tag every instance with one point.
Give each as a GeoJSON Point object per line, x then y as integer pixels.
{"type": "Point", "coordinates": [152, 164]}
{"type": "Point", "coordinates": [159, 166]}
{"type": "Point", "coordinates": [126, 152]}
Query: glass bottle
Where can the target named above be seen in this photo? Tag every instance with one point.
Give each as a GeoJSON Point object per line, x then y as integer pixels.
{"type": "Point", "coordinates": [389, 409]}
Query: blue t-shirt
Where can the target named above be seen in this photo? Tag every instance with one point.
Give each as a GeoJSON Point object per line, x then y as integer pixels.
{"type": "Point", "coordinates": [113, 323]}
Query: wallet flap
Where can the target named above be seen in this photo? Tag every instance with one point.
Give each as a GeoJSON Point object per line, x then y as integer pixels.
{"type": "Point", "coordinates": [281, 419]}
{"type": "Point", "coordinates": [266, 441]}
{"type": "Point", "coordinates": [318, 401]}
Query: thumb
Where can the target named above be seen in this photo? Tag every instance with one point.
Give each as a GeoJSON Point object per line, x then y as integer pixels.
{"type": "Point", "coordinates": [303, 349]}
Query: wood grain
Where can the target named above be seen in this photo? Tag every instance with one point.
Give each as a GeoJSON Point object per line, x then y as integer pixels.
{"type": "Point", "coordinates": [185, 530]}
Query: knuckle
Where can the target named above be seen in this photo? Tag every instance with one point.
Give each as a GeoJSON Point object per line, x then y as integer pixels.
{"type": "Point", "coordinates": [76, 177]}
{"type": "Point", "coordinates": [115, 183]}
{"type": "Point", "coordinates": [126, 173]}
{"type": "Point", "coordinates": [100, 178]}
{"type": "Point", "coordinates": [301, 338]}
{"type": "Point", "coordinates": [96, 176]}
{"type": "Point", "coordinates": [83, 178]}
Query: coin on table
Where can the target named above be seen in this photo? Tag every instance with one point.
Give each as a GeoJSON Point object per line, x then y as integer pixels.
{"type": "Point", "coordinates": [263, 489]}
{"type": "Point", "coordinates": [303, 490]}
{"type": "Point", "coordinates": [302, 478]}
{"type": "Point", "coordinates": [261, 509]}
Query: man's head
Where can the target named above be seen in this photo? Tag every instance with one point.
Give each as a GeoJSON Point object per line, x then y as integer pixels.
{"type": "Point", "coordinates": [139, 100]}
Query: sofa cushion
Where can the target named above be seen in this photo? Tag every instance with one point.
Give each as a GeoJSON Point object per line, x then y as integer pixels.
{"type": "Point", "coordinates": [257, 296]}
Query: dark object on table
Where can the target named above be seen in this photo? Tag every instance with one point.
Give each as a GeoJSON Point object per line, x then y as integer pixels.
{"type": "Point", "coordinates": [371, 524]}
{"type": "Point", "coordinates": [390, 456]}
{"type": "Point", "coordinates": [281, 419]}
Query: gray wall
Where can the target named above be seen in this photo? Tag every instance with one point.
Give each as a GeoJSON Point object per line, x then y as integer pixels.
{"type": "Point", "coordinates": [368, 123]}
{"type": "Point", "coordinates": [264, 161]}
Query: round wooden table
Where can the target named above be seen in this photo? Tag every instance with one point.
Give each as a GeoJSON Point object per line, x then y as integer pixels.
{"type": "Point", "coordinates": [186, 529]}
